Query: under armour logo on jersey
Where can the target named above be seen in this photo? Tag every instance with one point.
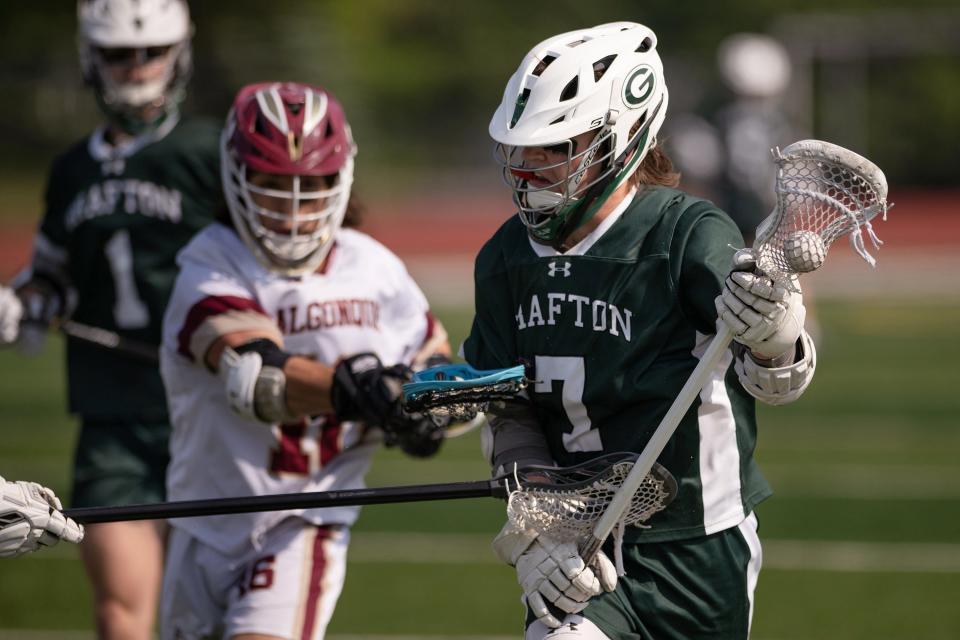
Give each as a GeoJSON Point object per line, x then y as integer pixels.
{"type": "Point", "coordinates": [113, 167]}
{"type": "Point", "coordinates": [563, 267]}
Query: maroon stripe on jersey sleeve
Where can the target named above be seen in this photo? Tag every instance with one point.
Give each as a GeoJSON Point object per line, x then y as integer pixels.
{"type": "Point", "coordinates": [211, 306]}
{"type": "Point", "coordinates": [431, 326]}
{"type": "Point", "coordinates": [315, 590]}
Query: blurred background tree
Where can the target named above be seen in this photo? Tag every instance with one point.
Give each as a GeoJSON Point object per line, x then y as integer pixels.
{"type": "Point", "coordinates": [421, 78]}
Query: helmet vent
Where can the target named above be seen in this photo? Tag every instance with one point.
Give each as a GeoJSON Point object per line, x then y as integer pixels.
{"type": "Point", "coordinates": [601, 66]}
{"type": "Point", "coordinates": [520, 106]}
{"type": "Point", "coordinates": [260, 126]}
{"type": "Point", "coordinates": [542, 66]}
{"type": "Point", "coordinates": [645, 45]}
{"type": "Point", "coordinates": [570, 91]}
{"type": "Point", "coordinates": [558, 120]}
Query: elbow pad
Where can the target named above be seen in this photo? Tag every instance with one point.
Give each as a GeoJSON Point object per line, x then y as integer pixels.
{"type": "Point", "coordinates": [779, 385]}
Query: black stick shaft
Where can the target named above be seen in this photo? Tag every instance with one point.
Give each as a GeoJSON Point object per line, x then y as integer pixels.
{"type": "Point", "coordinates": [110, 340]}
{"type": "Point", "coordinates": [283, 501]}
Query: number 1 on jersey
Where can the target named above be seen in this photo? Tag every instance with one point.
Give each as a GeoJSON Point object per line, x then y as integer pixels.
{"type": "Point", "coordinates": [129, 311]}
{"type": "Point", "coordinates": [571, 373]}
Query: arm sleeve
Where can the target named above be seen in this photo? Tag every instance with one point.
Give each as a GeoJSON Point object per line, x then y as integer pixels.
{"type": "Point", "coordinates": [516, 438]}
{"type": "Point", "coordinates": [50, 258]}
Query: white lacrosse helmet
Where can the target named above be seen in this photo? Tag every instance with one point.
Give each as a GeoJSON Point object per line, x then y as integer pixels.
{"type": "Point", "coordinates": [607, 79]}
{"type": "Point", "coordinates": [287, 129]}
{"type": "Point", "coordinates": [140, 30]}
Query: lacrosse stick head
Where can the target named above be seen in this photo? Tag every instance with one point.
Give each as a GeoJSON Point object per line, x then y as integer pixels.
{"type": "Point", "coordinates": [824, 192]}
{"type": "Point", "coordinates": [565, 503]}
{"type": "Point", "coordinates": [460, 391]}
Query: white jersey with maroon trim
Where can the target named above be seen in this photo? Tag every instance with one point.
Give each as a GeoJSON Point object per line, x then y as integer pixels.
{"type": "Point", "coordinates": [362, 300]}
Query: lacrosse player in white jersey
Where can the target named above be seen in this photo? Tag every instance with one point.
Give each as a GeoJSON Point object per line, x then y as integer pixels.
{"type": "Point", "coordinates": [274, 351]}
{"type": "Point", "coordinates": [31, 519]}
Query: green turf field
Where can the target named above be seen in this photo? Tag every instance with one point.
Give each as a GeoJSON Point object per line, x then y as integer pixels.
{"type": "Point", "coordinates": [862, 539]}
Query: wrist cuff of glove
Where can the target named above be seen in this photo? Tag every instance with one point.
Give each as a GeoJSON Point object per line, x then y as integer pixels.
{"type": "Point", "coordinates": [271, 354]}
{"type": "Point", "coordinates": [786, 358]}
{"type": "Point", "coordinates": [512, 542]}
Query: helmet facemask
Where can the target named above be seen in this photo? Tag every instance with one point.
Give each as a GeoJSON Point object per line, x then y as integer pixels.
{"type": "Point", "coordinates": [295, 231]}
{"type": "Point", "coordinates": [135, 106]}
{"type": "Point", "coordinates": [543, 208]}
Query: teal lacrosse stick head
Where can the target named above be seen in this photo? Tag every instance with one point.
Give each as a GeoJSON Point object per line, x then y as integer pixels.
{"type": "Point", "coordinates": [460, 391]}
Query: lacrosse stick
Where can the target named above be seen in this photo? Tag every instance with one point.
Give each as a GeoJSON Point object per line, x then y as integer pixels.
{"type": "Point", "coordinates": [460, 391]}
{"type": "Point", "coordinates": [562, 502]}
{"type": "Point", "coordinates": [110, 340]}
{"type": "Point", "coordinates": [101, 338]}
{"type": "Point", "coordinates": [824, 192]}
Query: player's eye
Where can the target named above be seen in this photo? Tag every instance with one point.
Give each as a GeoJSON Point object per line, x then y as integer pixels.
{"type": "Point", "coordinates": [118, 55]}
{"type": "Point", "coordinates": [157, 52]}
{"type": "Point", "coordinates": [568, 147]}
{"type": "Point", "coordinates": [131, 55]}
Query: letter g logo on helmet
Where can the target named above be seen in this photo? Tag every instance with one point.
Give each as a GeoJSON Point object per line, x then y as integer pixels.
{"type": "Point", "coordinates": [639, 86]}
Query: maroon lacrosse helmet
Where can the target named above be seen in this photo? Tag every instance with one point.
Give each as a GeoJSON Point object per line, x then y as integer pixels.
{"type": "Point", "coordinates": [292, 130]}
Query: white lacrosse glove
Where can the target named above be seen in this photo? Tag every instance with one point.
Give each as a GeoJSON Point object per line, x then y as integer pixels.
{"type": "Point", "coordinates": [553, 572]}
{"type": "Point", "coordinates": [30, 518]}
{"type": "Point", "coordinates": [765, 317]}
{"type": "Point", "coordinates": [11, 312]}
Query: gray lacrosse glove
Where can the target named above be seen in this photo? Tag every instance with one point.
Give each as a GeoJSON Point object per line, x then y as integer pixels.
{"type": "Point", "coordinates": [30, 518]}
{"type": "Point", "coordinates": [553, 572]}
{"type": "Point", "coordinates": [764, 316]}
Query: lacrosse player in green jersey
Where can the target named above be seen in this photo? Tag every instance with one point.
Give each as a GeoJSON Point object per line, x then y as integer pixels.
{"type": "Point", "coordinates": [119, 205]}
{"type": "Point", "coordinates": [609, 282]}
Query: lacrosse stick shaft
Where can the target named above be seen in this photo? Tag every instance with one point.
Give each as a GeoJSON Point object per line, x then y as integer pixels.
{"type": "Point", "coordinates": [110, 340]}
{"type": "Point", "coordinates": [691, 389]}
{"type": "Point", "coordinates": [284, 501]}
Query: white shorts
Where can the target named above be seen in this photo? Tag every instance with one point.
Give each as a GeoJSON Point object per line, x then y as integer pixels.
{"type": "Point", "coordinates": [287, 589]}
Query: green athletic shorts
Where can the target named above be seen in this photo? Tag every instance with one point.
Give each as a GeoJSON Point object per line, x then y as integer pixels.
{"type": "Point", "coordinates": [682, 590]}
{"type": "Point", "coordinates": [120, 462]}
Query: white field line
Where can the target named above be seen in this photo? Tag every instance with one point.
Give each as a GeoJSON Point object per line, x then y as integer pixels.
{"type": "Point", "coordinates": [448, 279]}
{"type": "Point", "coordinates": [864, 481]}
{"type": "Point", "coordinates": [778, 554]}
{"type": "Point", "coordinates": [784, 555]}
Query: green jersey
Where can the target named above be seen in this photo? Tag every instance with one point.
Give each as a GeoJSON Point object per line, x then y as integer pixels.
{"type": "Point", "coordinates": [614, 328]}
{"type": "Point", "coordinates": [115, 219]}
